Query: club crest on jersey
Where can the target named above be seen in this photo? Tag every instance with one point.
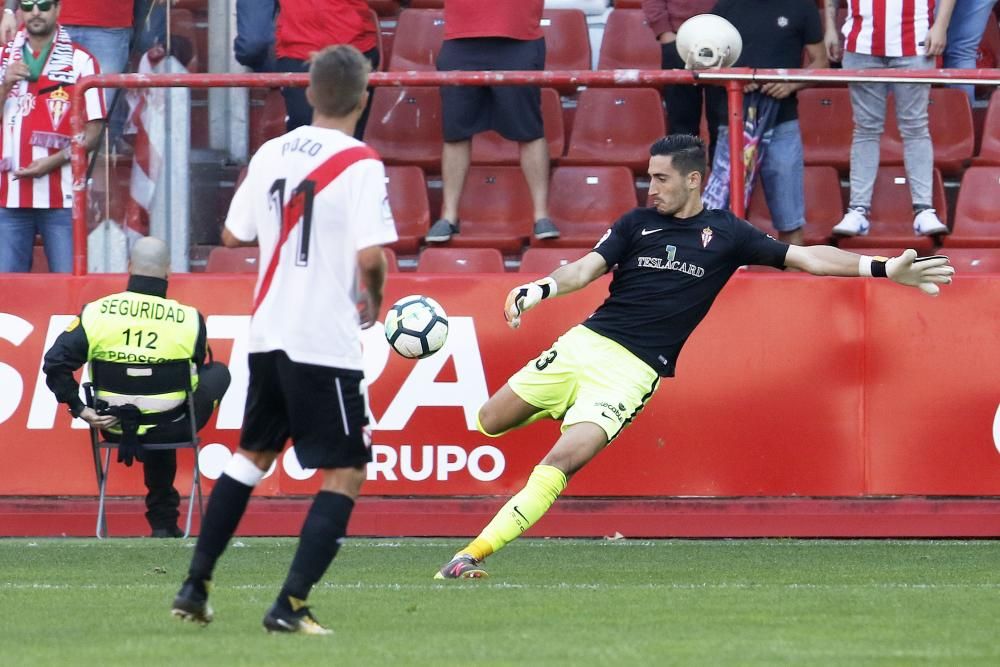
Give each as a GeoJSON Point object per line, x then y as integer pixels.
{"type": "Point", "coordinates": [706, 237]}
{"type": "Point", "coordinates": [58, 104]}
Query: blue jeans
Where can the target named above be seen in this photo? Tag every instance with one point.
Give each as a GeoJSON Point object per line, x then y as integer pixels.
{"type": "Point", "coordinates": [253, 46]}
{"type": "Point", "coordinates": [18, 227]}
{"type": "Point", "coordinates": [149, 24]}
{"type": "Point", "coordinates": [782, 174]}
{"type": "Point", "coordinates": [965, 32]}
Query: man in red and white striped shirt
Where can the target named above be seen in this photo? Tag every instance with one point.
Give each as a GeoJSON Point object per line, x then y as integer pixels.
{"type": "Point", "coordinates": [38, 70]}
{"type": "Point", "coordinates": [890, 34]}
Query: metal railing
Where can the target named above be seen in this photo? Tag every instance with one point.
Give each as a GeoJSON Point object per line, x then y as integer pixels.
{"type": "Point", "coordinates": [732, 79]}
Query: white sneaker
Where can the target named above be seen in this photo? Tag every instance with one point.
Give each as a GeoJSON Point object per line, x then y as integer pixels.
{"type": "Point", "coordinates": [854, 223]}
{"type": "Point", "coordinates": [927, 223]}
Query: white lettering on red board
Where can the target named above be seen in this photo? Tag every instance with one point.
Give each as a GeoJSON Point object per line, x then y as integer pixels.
{"type": "Point", "coordinates": [419, 389]}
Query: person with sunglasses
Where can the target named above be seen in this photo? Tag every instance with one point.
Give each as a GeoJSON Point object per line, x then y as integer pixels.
{"type": "Point", "coordinates": [38, 70]}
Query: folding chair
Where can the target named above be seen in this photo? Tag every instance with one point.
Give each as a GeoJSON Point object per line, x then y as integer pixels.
{"type": "Point", "coordinates": [143, 380]}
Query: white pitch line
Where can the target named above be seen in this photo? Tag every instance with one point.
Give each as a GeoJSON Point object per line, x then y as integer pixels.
{"type": "Point", "coordinates": [363, 586]}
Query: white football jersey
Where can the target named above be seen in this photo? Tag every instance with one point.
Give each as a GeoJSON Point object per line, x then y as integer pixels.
{"type": "Point", "coordinates": [312, 198]}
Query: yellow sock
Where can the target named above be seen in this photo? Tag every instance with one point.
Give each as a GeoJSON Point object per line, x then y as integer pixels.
{"type": "Point", "coordinates": [520, 513]}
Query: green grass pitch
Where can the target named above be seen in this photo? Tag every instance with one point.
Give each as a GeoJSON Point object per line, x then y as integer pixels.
{"type": "Point", "coordinates": [548, 602]}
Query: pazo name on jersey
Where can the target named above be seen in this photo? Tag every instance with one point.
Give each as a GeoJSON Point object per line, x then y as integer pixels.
{"type": "Point", "coordinates": [142, 310]}
{"type": "Point", "coordinates": [302, 145]}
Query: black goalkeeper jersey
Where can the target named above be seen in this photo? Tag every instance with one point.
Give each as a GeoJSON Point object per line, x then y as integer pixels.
{"type": "Point", "coordinates": [667, 273]}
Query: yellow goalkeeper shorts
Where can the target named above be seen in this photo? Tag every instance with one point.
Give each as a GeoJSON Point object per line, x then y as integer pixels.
{"type": "Point", "coordinates": [585, 377]}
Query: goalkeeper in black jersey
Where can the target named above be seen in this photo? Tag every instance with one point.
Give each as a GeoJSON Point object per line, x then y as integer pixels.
{"type": "Point", "coordinates": [669, 262]}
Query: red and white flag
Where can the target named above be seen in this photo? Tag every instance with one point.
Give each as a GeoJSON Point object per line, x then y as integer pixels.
{"type": "Point", "coordinates": [146, 111]}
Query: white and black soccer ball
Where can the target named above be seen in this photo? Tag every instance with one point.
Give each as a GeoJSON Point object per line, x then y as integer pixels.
{"type": "Point", "coordinates": [707, 41]}
{"type": "Point", "coordinates": [416, 326]}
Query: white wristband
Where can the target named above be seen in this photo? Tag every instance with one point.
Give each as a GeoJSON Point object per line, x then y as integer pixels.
{"type": "Point", "coordinates": [549, 287]}
{"type": "Point", "coordinates": [865, 266]}
{"type": "Point", "coordinates": [8, 10]}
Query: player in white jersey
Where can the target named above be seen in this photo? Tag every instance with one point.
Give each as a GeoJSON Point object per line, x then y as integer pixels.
{"type": "Point", "coordinates": [316, 202]}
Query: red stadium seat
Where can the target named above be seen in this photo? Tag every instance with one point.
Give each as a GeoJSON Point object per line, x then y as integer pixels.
{"type": "Point", "coordinates": [585, 201]}
{"type": "Point", "coordinates": [392, 264]}
{"type": "Point", "coordinates": [892, 214]}
{"type": "Point", "coordinates": [973, 260]}
{"type": "Point", "coordinates": [547, 260]}
{"type": "Point", "coordinates": [989, 152]}
{"type": "Point", "coordinates": [824, 205]}
{"type": "Point", "coordinates": [628, 42]}
{"type": "Point", "coordinates": [950, 119]}
{"type": "Point", "coordinates": [233, 260]}
{"type": "Point", "coordinates": [616, 126]}
{"type": "Point", "coordinates": [404, 126]}
{"type": "Point", "coordinates": [419, 33]}
{"type": "Point", "coordinates": [408, 200]}
{"type": "Point", "coordinates": [267, 116]}
{"type": "Point", "coordinates": [387, 8]}
{"type": "Point", "coordinates": [628, 4]}
{"type": "Point", "coordinates": [245, 260]}
{"type": "Point", "coordinates": [495, 210]}
{"type": "Point", "coordinates": [567, 39]}
{"type": "Point", "coordinates": [988, 55]}
{"type": "Point", "coordinates": [39, 262]}
{"type": "Point", "coordinates": [977, 224]}
{"type": "Point", "coordinates": [827, 123]}
{"type": "Point", "coordinates": [490, 148]}
{"type": "Point", "coordinates": [460, 260]}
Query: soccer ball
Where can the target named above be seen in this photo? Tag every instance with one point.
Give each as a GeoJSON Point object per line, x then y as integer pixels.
{"type": "Point", "coordinates": [708, 41]}
{"type": "Point", "coordinates": [416, 326]}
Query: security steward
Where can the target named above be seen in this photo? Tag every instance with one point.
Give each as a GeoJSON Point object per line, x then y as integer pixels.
{"type": "Point", "coordinates": [141, 325]}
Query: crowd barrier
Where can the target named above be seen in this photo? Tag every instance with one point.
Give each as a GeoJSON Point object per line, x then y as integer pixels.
{"type": "Point", "coordinates": [732, 79]}
{"type": "Point", "coordinates": [794, 386]}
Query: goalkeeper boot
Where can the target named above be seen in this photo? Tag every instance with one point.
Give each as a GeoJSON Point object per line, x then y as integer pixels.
{"type": "Point", "coordinates": [462, 566]}
{"type": "Point", "coordinates": [191, 603]}
{"type": "Point", "coordinates": [280, 618]}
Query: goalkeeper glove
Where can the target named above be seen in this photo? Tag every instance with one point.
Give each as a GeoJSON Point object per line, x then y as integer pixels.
{"type": "Point", "coordinates": [924, 273]}
{"type": "Point", "coordinates": [524, 298]}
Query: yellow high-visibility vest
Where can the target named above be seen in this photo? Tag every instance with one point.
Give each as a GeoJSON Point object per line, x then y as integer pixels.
{"type": "Point", "coordinates": [131, 327]}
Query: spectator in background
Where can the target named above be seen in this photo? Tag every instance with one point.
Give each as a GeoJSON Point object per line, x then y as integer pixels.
{"type": "Point", "coordinates": [965, 32]}
{"type": "Point", "coordinates": [306, 26]}
{"type": "Point", "coordinates": [110, 31]}
{"type": "Point", "coordinates": [253, 46]}
{"type": "Point", "coordinates": [901, 38]}
{"type": "Point", "coordinates": [38, 69]}
{"type": "Point", "coordinates": [492, 36]}
{"type": "Point", "coordinates": [105, 30]}
{"type": "Point", "coordinates": [774, 33]}
{"type": "Point", "coordinates": [149, 26]}
{"type": "Point", "coordinates": [684, 103]}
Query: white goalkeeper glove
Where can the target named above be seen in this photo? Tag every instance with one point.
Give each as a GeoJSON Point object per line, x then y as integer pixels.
{"type": "Point", "coordinates": [924, 273]}
{"type": "Point", "coordinates": [524, 298]}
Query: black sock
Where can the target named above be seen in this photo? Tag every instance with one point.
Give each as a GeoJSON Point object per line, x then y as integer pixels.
{"type": "Point", "coordinates": [917, 208]}
{"type": "Point", "coordinates": [226, 506]}
{"type": "Point", "coordinates": [322, 533]}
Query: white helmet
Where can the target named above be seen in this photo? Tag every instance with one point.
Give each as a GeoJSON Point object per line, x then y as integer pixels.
{"type": "Point", "coordinates": [708, 41]}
